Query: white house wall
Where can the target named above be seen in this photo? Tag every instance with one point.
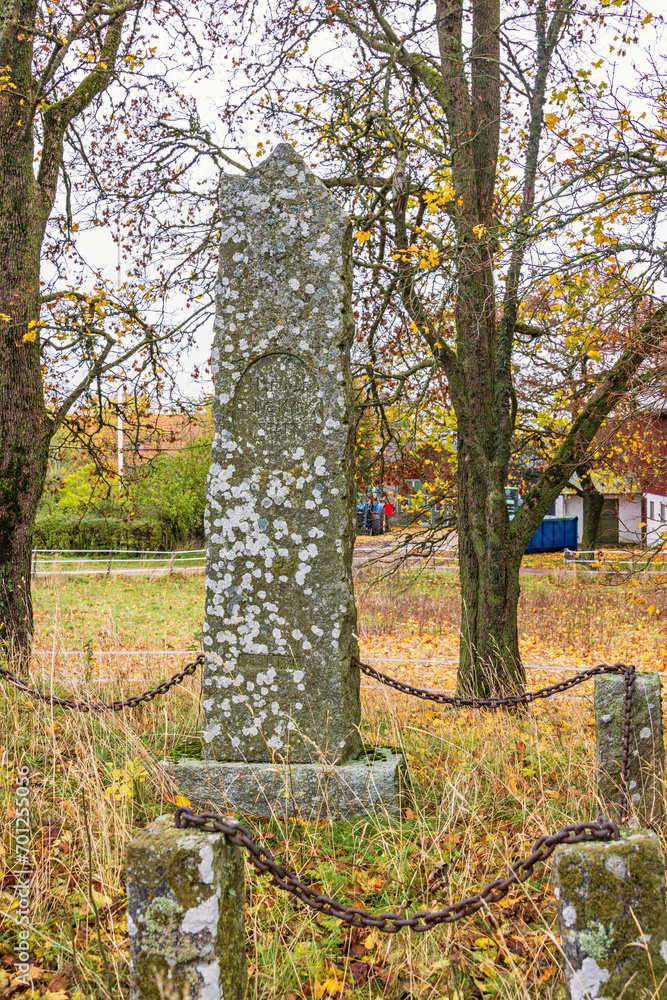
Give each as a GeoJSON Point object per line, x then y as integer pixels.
{"type": "Point", "coordinates": [629, 519]}
{"type": "Point", "coordinates": [573, 506]}
{"type": "Point", "coordinates": [656, 526]}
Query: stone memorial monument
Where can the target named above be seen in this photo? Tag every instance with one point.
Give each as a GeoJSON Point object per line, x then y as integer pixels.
{"type": "Point", "coordinates": [280, 689]}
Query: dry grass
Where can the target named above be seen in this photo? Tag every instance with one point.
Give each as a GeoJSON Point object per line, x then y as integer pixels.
{"type": "Point", "coordinates": [562, 619]}
{"type": "Point", "coordinates": [486, 785]}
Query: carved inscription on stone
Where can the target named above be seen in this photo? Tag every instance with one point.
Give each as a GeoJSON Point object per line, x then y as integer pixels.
{"type": "Point", "coordinates": [277, 409]}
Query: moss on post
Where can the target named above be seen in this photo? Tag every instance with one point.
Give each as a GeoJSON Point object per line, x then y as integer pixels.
{"type": "Point", "coordinates": [613, 923]}
{"type": "Point", "coordinates": [186, 898]}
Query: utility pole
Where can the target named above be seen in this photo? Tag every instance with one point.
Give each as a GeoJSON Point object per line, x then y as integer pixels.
{"type": "Point", "coordinates": [120, 389]}
{"type": "Point", "coordinates": [120, 438]}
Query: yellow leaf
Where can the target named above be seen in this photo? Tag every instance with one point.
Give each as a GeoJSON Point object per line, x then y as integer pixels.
{"type": "Point", "coordinates": [440, 966]}
{"type": "Point", "coordinates": [181, 800]}
{"type": "Point", "coordinates": [484, 943]}
{"type": "Point", "coordinates": [362, 237]}
{"type": "Point", "coordinates": [479, 230]}
{"type": "Point", "coordinates": [372, 940]}
{"type": "Point", "coordinates": [551, 120]}
{"type": "Point", "coordinates": [329, 988]}
{"type": "Point", "coordinates": [100, 899]}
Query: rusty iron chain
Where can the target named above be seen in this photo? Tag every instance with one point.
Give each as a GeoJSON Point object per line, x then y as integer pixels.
{"type": "Point", "coordinates": [626, 739]}
{"type": "Point", "coordinates": [626, 669]}
{"type": "Point", "coordinates": [102, 706]}
{"type": "Point", "coordinates": [390, 923]}
{"type": "Point", "coordinates": [509, 701]}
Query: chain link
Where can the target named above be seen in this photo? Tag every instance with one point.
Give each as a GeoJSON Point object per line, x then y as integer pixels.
{"type": "Point", "coordinates": [508, 701]}
{"type": "Point", "coordinates": [102, 706]}
{"type": "Point", "coordinates": [629, 676]}
{"type": "Point", "coordinates": [390, 923]}
{"type": "Point", "coordinates": [626, 739]}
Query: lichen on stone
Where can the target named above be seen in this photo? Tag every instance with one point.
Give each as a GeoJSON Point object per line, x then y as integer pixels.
{"type": "Point", "coordinates": [611, 898]}
{"type": "Point", "coordinates": [161, 914]}
{"type": "Point", "coordinates": [597, 941]}
{"type": "Point", "coordinates": [280, 624]}
{"type": "Point", "coordinates": [646, 778]}
{"type": "Point", "coordinates": [183, 942]}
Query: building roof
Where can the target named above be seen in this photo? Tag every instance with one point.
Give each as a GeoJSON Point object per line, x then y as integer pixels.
{"type": "Point", "coordinates": [609, 483]}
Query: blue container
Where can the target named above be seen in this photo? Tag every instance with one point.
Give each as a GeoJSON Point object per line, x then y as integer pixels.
{"type": "Point", "coordinates": [554, 535]}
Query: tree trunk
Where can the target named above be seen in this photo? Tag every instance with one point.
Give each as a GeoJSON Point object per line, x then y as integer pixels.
{"type": "Point", "coordinates": [593, 504]}
{"type": "Point", "coordinates": [25, 205]}
{"type": "Point", "coordinates": [25, 428]}
{"type": "Point", "coordinates": [489, 659]}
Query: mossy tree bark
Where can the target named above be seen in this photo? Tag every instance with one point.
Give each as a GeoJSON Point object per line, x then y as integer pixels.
{"type": "Point", "coordinates": [489, 562]}
{"type": "Point", "coordinates": [26, 202]}
{"type": "Point", "coordinates": [24, 424]}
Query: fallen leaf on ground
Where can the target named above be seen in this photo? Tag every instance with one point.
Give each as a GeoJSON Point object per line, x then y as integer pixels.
{"type": "Point", "coordinates": [360, 971]}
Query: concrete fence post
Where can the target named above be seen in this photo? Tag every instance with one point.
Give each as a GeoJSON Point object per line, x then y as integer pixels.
{"type": "Point", "coordinates": [612, 917]}
{"type": "Point", "coordinates": [647, 758]}
{"type": "Point", "coordinates": [185, 915]}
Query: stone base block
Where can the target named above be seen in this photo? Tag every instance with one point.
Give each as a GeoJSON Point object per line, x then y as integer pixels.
{"type": "Point", "coordinates": [377, 784]}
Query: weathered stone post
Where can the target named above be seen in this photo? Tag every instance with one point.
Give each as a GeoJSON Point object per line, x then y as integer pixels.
{"type": "Point", "coordinates": [613, 923]}
{"type": "Point", "coordinates": [185, 915]}
{"type": "Point", "coordinates": [647, 759]}
{"type": "Point", "coordinates": [281, 691]}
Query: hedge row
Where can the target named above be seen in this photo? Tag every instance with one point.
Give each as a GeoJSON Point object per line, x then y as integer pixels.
{"type": "Point", "coordinates": [70, 531]}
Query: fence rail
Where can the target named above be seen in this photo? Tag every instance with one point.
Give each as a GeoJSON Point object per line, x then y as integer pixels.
{"type": "Point", "coordinates": [618, 561]}
{"type": "Point", "coordinates": [83, 562]}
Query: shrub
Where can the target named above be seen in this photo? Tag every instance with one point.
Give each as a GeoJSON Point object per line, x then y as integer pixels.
{"type": "Point", "coordinates": [160, 507]}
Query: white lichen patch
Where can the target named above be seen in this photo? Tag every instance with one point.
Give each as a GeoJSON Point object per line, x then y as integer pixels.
{"type": "Point", "coordinates": [587, 981]}
{"type": "Point", "coordinates": [210, 975]}
{"type": "Point", "coordinates": [206, 864]}
{"type": "Point", "coordinates": [203, 917]}
{"type": "Point", "coordinates": [617, 865]}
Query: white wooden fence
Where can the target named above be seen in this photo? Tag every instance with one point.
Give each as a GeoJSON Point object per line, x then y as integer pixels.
{"type": "Point", "coordinates": [134, 562]}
